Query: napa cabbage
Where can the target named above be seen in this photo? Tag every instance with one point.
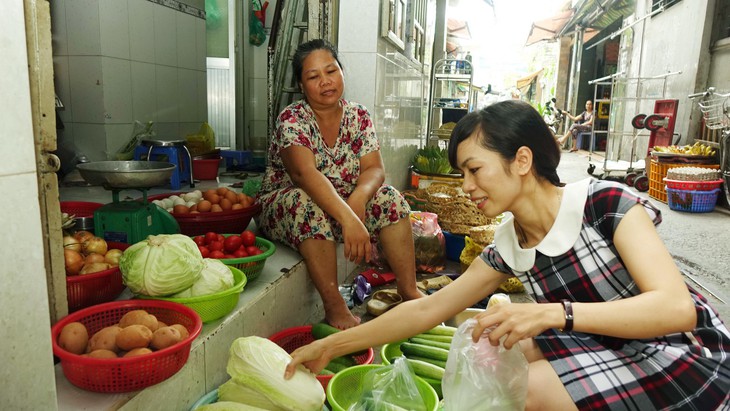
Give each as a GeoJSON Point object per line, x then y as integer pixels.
{"type": "Point", "coordinates": [256, 366]}
{"type": "Point", "coordinates": [214, 278]}
{"type": "Point", "coordinates": [228, 406]}
{"type": "Point", "coordinates": [161, 265]}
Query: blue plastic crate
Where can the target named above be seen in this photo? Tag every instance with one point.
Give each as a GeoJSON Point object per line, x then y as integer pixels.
{"type": "Point", "coordinates": [692, 201]}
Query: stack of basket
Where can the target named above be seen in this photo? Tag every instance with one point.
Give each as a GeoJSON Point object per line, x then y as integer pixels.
{"type": "Point", "coordinates": [477, 240]}
{"type": "Point", "coordinates": [457, 214]}
{"type": "Point", "coordinates": [692, 189]}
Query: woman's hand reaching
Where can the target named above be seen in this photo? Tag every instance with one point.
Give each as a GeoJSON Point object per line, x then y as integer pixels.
{"type": "Point", "coordinates": [311, 356]}
{"type": "Point", "coordinates": [516, 322]}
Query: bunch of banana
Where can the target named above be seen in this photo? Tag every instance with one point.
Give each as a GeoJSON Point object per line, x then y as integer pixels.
{"type": "Point", "coordinates": [697, 149]}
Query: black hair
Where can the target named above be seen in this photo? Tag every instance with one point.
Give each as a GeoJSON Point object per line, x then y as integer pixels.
{"type": "Point", "coordinates": [304, 49]}
{"type": "Point", "coordinates": [506, 126]}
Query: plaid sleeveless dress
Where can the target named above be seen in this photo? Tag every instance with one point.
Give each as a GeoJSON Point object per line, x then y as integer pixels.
{"type": "Point", "coordinates": [681, 371]}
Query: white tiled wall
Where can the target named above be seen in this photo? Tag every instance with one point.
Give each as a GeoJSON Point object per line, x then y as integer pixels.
{"type": "Point", "coordinates": [117, 61]}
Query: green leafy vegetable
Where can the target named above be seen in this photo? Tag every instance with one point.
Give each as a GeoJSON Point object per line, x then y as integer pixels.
{"type": "Point", "coordinates": [256, 366]}
{"type": "Point", "coordinates": [432, 160]}
{"type": "Point", "coordinates": [161, 265]}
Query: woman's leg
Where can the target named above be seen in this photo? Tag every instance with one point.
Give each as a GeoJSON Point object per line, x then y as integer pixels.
{"type": "Point", "coordinates": [397, 243]}
{"type": "Point", "coordinates": [320, 257]}
{"type": "Point", "coordinates": [545, 391]}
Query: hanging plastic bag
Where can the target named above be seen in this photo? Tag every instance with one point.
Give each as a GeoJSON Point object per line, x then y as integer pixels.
{"type": "Point", "coordinates": [429, 242]}
{"type": "Point", "coordinates": [141, 131]}
{"type": "Point", "coordinates": [481, 377]}
{"type": "Point", "coordinates": [391, 387]}
{"type": "Point", "coordinates": [201, 142]}
{"type": "Point", "coordinates": [256, 32]}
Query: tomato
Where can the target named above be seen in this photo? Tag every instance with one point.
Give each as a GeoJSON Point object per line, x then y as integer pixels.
{"type": "Point", "coordinates": [249, 238]}
{"type": "Point", "coordinates": [253, 250]}
{"type": "Point", "coordinates": [217, 254]}
{"type": "Point", "coordinates": [204, 251]}
{"type": "Point", "coordinates": [221, 238]}
{"type": "Point", "coordinates": [240, 253]}
{"type": "Point", "coordinates": [229, 256]}
{"type": "Point", "coordinates": [199, 240]}
{"type": "Point", "coordinates": [215, 246]}
{"type": "Point", "coordinates": [232, 243]}
{"type": "Point", "coordinates": [210, 236]}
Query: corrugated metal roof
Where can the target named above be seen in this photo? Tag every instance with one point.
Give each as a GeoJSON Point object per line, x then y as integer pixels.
{"type": "Point", "coordinates": [598, 14]}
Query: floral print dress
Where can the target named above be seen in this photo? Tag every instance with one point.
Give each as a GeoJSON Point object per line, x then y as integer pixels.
{"type": "Point", "coordinates": [289, 214]}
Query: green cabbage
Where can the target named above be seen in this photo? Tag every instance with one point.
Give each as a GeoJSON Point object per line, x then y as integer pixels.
{"type": "Point", "coordinates": [228, 406]}
{"type": "Point", "coordinates": [161, 265]}
{"type": "Point", "coordinates": [214, 278]}
{"type": "Point", "coordinates": [258, 364]}
{"type": "Point", "coordinates": [231, 391]}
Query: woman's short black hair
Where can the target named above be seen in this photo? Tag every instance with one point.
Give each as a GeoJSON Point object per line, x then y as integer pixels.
{"type": "Point", "coordinates": [506, 126]}
{"type": "Point", "coordinates": [304, 49]}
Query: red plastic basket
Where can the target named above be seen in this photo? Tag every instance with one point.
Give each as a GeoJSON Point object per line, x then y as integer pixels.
{"type": "Point", "coordinates": [206, 169]}
{"type": "Point", "coordinates": [79, 208]}
{"type": "Point", "coordinates": [292, 338]}
{"type": "Point", "coordinates": [694, 185]}
{"type": "Point", "coordinates": [133, 373]}
{"type": "Point", "coordinates": [220, 222]}
{"type": "Point", "coordinates": [89, 289]}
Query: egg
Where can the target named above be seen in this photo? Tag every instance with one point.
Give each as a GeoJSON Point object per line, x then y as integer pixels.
{"type": "Point", "coordinates": [232, 197]}
{"type": "Point", "coordinates": [237, 206]}
{"type": "Point", "coordinates": [180, 209]}
{"type": "Point", "coordinates": [204, 206]}
{"type": "Point", "coordinates": [214, 198]}
{"type": "Point", "coordinates": [225, 204]}
{"type": "Point", "coordinates": [209, 193]}
{"type": "Point", "coordinates": [73, 338]}
{"type": "Point", "coordinates": [221, 191]}
{"type": "Point", "coordinates": [216, 208]}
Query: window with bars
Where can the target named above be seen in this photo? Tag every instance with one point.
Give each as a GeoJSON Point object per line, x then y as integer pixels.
{"type": "Point", "coordinates": [721, 26]}
{"type": "Point", "coordinates": [655, 4]}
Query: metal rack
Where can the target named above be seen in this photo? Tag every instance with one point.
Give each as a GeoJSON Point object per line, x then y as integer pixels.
{"type": "Point", "coordinates": [446, 102]}
{"type": "Point", "coordinates": [628, 95]}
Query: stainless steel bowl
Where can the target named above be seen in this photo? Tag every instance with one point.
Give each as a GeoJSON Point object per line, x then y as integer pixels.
{"type": "Point", "coordinates": [84, 224]}
{"type": "Point", "coordinates": [126, 174]}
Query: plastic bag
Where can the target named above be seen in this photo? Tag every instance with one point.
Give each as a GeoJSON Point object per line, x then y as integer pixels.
{"type": "Point", "coordinates": [429, 242]}
{"type": "Point", "coordinates": [139, 132]}
{"type": "Point", "coordinates": [201, 142]}
{"type": "Point", "coordinates": [256, 32]}
{"type": "Point", "coordinates": [481, 377]}
{"type": "Point", "coordinates": [388, 388]}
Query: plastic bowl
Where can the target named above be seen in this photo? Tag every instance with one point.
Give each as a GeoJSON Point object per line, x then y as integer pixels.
{"type": "Point", "coordinates": [126, 374]}
{"type": "Point", "coordinates": [346, 388]}
{"type": "Point", "coordinates": [214, 306]}
{"type": "Point", "coordinates": [89, 289]}
{"type": "Point", "coordinates": [253, 265]}
{"type": "Point", "coordinates": [292, 338]}
{"type": "Point", "coordinates": [221, 222]}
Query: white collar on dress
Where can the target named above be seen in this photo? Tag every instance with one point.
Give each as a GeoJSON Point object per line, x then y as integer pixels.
{"type": "Point", "coordinates": [561, 237]}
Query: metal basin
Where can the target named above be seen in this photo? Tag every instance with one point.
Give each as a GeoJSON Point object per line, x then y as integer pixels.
{"type": "Point", "coordinates": [126, 174]}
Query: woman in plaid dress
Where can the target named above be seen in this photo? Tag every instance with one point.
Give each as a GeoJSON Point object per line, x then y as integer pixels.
{"type": "Point", "coordinates": [615, 326]}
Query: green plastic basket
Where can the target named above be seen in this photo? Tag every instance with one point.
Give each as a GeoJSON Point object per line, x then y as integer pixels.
{"type": "Point", "coordinates": [388, 354]}
{"type": "Point", "coordinates": [212, 398]}
{"type": "Point", "coordinates": [252, 266]}
{"type": "Point", "coordinates": [345, 388]}
{"type": "Point", "coordinates": [214, 306]}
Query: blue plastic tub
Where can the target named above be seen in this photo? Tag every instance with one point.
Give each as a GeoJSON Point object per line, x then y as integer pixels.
{"type": "Point", "coordinates": [454, 245]}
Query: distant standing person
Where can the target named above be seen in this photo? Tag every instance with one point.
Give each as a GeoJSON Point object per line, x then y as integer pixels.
{"type": "Point", "coordinates": [583, 123]}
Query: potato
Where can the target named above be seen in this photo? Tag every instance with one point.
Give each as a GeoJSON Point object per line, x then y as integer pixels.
{"type": "Point", "coordinates": [182, 330]}
{"type": "Point", "coordinates": [101, 353]}
{"type": "Point", "coordinates": [160, 324]}
{"type": "Point", "coordinates": [105, 339]}
{"type": "Point", "coordinates": [73, 338]}
{"type": "Point", "coordinates": [165, 337]}
{"type": "Point", "coordinates": [138, 351]}
{"type": "Point", "coordinates": [140, 317]}
{"type": "Point", "coordinates": [134, 336]}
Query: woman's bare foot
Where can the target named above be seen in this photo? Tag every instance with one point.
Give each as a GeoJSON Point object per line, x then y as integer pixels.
{"type": "Point", "coordinates": [339, 316]}
{"type": "Point", "coordinates": [411, 294]}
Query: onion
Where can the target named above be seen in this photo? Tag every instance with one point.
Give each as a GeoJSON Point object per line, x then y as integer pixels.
{"type": "Point", "coordinates": [112, 257]}
{"type": "Point", "coordinates": [74, 261]}
{"type": "Point", "coordinates": [94, 245]}
{"type": "Point", "coordinates": [94, 268]}
{"type": "Point", "coordinates": [70, 243]}
{"type": "Point", "coordinates": [94, 258]}
{"type": "Point", "coordinates": [82, 236]}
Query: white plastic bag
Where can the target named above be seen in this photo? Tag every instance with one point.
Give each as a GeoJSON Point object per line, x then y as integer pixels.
{"type": "Point", "coordinates": [481, 377]}
{"type": "Point", "coordinates": [391, 387]}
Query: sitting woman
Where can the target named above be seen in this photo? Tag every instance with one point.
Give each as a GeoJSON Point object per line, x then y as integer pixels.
{"type": "Point", "coordinates": [583, 123]}
{"type": "Point", "coordinates": [324, 184]}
